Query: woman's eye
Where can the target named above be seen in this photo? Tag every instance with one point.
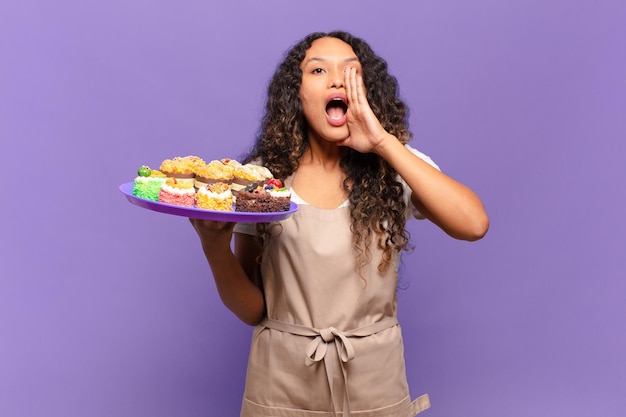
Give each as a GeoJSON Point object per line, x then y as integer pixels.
{"type": "Point", "coordinates": [318, 71]}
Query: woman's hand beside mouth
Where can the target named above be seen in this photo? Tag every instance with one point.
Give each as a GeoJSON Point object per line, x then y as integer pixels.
{"type": "Point", "coordinates": [365, 131]}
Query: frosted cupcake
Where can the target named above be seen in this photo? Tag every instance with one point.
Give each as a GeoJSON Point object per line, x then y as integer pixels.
{"type": "Point", "coordinates": [248, 174]}
{"type": "Point", "coordinates": [182, 168]}
{"type": "Point", "coordinates": [280, 194]}
{"type": "Point", "coordinates": [173, 191]}
{"type": "Point", "coordinates": [214, 171]}
{"type": "Point", "coordinates": [148, 182]}
{"type": "Point", "coordinates": [215, 196]}
{"type": "Point", "coordinates": [272, 197]}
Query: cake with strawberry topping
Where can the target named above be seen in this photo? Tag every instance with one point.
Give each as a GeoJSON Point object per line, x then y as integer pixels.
{"type": "Point", "coordinates": [177, 192]}
{"type": "Point", "coordinates": [148, 182]}
{"type": "Point", "coordinates": [272, 197]}
{"type": "Point", "coordinates": [215, 196]}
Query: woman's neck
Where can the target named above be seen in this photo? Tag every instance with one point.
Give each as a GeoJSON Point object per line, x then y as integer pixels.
{"type": "Point", "coordinates": [324, 154]}
{"type": "Point", "coordinates": [319, 177]}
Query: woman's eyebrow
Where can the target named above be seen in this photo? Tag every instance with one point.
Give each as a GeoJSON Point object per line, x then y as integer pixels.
{"type": "Point", "coordinates": [320, 59]}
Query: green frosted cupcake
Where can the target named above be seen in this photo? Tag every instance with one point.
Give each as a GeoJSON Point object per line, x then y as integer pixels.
{"type": "Point", "coordinates": [148, 182]}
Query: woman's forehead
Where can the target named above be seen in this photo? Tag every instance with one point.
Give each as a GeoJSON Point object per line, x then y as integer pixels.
{"type": "Point", "coordinates": [329, 48]}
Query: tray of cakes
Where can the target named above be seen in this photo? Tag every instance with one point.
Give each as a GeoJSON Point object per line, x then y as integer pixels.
{"type": "Point", "coordinates": [220, 190]}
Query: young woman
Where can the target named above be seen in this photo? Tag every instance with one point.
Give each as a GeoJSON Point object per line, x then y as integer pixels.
{"type": "Point", "coordinates": [320, 287]}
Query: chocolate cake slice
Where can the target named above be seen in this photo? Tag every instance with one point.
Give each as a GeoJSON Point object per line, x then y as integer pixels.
{"type": "Point", "coordinates": [256, 199]}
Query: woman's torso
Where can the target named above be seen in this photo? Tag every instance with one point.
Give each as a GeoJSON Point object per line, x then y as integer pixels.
{"type": "Point", "coordinates": [310, 281]}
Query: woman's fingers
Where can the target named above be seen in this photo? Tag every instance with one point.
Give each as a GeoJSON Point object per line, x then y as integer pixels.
{"type": "Point", "coordinates": [355, 89]}
{"type": "Point", "coordinates": [211, 226]}
{"type": "Point", "coordinates": [351, 90]}
{"type": "Point", "coordinates": [215, 236]}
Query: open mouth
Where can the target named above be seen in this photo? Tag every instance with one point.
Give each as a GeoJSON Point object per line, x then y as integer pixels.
{"type": "Point", "coordinates": [336, 108]}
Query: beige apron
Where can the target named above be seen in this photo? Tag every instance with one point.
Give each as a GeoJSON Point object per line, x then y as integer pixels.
{"type": "Point", "coordinates": [331, 344]}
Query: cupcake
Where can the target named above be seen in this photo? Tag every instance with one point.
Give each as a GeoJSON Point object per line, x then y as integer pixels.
{"type": "Point", "coordinates": [272, 197]}
{"type": "Point", "coordinates": [214, 171]}
{"type": "Point", "coordinates": [215, 196]}
{"type": "Point", "coordinates": [248, 174]}
{"type": "Point", "coordinates": [182, 168]}
{"type": "Point", "coordinates": [280, 194]}
{"type": "Point", "coordinates": [148, 182]}
{"type": "Point", "coordinates": [233, 163]}
{"type": "Point", "coordinates": [177, 192]}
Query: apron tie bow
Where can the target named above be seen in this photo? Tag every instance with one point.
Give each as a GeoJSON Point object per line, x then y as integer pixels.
{"type": "Point", "coordinates": [317, 349]}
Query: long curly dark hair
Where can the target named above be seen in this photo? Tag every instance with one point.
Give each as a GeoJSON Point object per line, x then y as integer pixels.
{"type": "Point", "coordinates": [376, 197]}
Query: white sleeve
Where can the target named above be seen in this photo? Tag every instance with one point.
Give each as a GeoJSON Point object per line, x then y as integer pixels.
{"type": "Point", "coordinates": [411, 210]}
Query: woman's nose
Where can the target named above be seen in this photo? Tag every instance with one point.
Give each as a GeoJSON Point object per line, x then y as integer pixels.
{"type": "Point", "coordinates": [337, 79]}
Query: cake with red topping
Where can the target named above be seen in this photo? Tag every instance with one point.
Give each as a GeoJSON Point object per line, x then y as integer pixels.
{"type": "Point", "coordinates": [177, 192]}
{"type": "Point", "coordinates": [215, 196]}
{"type": "Point", "coordinates": [273, 197]}
{"type": "Point", "coordinates": [148, 182]}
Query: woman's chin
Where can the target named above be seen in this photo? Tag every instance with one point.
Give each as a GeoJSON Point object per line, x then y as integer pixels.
{"type": "Point", "coordinates": [331, 134]}
{"type": "Point", "coordinates": [337, 137]}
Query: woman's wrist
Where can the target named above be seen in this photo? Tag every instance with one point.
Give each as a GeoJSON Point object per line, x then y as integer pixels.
{"type": "Point", "coordinates": [387, 146]}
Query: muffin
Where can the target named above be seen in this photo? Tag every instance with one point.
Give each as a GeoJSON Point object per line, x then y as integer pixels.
{"type": "Point", "coordinates": [248, 174]}
{"type": "Point", "coordinates": [214, 171]}
{"type": "Point", "coordinates": [182, 168]}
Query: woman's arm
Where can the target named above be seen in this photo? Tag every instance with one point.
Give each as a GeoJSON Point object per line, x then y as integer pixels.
{"type": "Point", "coordinates": [449, 204]}
{"type": "Point", "coordinates": [452, 206]}
{"type": "Point", "coordinates": [237, 275]}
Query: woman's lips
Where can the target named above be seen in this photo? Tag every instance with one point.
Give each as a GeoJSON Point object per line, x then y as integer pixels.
{"type": "Point", "coordinates": [336, 110]}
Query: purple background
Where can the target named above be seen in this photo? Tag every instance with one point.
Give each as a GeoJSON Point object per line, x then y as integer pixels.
{"type": "Point", "coordinates": [107, 309]}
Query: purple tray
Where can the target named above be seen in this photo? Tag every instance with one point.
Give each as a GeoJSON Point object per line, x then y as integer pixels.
{"type": "Point", "coordinates": [195, 213]}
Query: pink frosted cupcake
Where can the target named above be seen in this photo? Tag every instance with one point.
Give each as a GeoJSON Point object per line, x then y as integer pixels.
{"type": "Point", "coordinates": [177, 193]}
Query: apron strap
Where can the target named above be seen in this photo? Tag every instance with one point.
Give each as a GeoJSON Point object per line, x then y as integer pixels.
{"type": "Point", "coordinates": [420, 404]}
{"type": "Point", "coordinates": [317, 349]}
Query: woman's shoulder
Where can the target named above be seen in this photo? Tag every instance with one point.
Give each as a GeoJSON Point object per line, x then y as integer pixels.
{"type": "Point", "coordinates": [422, 156]}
